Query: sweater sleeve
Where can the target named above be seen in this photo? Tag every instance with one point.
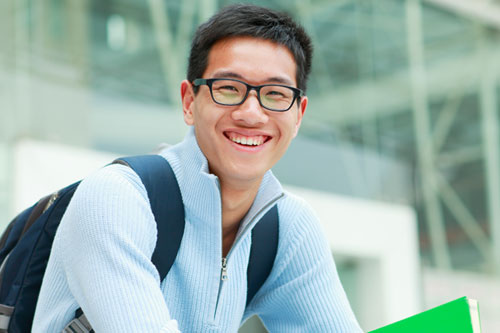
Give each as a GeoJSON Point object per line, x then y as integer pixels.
{"type": "Point", "coordinates": [108, 235]}
{"type": "Point", "coordinates": [303, 292]}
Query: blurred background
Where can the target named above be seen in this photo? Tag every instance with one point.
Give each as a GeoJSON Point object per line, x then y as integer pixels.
{"type": "Point", "coordinates": [403, 119]}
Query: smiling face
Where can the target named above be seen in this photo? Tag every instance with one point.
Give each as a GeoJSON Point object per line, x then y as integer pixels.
{"type": "Point", "coordinates": [242, 142]}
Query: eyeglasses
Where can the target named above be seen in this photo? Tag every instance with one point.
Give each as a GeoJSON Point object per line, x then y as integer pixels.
{"type": "Point", "coordinates": [274, 97]}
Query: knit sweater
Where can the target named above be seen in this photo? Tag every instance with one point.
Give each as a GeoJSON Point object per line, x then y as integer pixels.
{"type": "Point", "coordinates": [100, 260]}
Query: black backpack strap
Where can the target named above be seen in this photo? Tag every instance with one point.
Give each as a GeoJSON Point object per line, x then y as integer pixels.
{"type": "Point", "coordinates": [168, 210]}
{"type": "Point", "coordinates": [166, 203]}
{"type": "Point", "coordinates": [263, 251]}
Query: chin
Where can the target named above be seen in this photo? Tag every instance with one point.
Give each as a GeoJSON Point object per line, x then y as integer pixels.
{"type": "Point", "coordinates": [248, 174]}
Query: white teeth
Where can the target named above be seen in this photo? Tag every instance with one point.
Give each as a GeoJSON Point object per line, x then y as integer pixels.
{"type": "Point", "coordinates": [248, 141]}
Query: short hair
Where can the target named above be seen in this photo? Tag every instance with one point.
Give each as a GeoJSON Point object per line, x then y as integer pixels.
{"type": "Point", "coordinates": [253, 21]}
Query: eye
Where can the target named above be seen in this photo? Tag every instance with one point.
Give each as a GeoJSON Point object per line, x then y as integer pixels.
{"type": "Point", "coordinates": [228, 88]}
{"type": "Point", "coordinates": [275, 93]}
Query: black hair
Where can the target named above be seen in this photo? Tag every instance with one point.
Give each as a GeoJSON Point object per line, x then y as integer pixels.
{"type": "Point", "coordinates": [252, 21]}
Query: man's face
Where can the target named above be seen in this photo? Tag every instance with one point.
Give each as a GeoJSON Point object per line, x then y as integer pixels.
{"type": "Point", "coordinates": [218, 127]}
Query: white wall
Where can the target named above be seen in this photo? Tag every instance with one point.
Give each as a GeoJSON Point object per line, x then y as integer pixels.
{"type": "Point", "coordinates": [41, 168]}
{"type": "Point", "coordinates": [444, 286]}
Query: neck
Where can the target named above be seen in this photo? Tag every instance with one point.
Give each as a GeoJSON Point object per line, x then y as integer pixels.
{"type": "Point", "coordinates": [236, 201]}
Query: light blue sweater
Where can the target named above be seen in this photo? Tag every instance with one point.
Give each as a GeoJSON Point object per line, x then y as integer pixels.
{"type": "Point", "coordinates": [100, 261]}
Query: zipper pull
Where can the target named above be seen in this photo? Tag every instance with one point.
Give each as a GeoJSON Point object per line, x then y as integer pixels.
{"type": "Point", "coordinates": [224, 269]}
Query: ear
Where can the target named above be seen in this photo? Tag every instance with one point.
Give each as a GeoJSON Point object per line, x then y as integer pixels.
{"type": "Point", "coordinates": [187, 96]}
{"type": "Point", "coordinates": [300, 114]}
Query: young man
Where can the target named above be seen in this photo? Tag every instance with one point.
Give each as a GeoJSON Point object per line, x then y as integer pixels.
{"type": "Point", "coordinates": [244, 101]}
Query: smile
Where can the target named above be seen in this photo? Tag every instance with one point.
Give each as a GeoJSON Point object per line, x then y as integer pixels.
{"type": "Point", "coordinates": [254, 140]}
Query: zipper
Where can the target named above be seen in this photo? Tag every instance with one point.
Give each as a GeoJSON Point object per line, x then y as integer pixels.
{"type": "Point", "coordinates": [223, 271]}
{"type": "Point", "coordinates": [223, 274]}
{"type": "Point", "coordinates": [223, 277]}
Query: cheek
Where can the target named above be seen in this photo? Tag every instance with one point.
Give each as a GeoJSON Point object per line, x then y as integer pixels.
{"type": "Point", "coordinates": [198, 115]}
{"type": "Point", "coordinates": [206, 119]}
{"type": "Point", "coordinates": [289, 125]}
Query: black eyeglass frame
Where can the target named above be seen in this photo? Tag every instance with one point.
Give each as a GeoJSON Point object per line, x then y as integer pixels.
{"type": "Point", "coordinates": [297, 93]}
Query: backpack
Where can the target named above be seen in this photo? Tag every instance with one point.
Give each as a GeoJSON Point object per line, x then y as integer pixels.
{"type": "Point", "coordinates": [25, 245]}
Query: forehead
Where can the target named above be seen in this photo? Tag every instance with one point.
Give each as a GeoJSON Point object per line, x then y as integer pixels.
{"type": "Point", "coordinates": [253, 59]}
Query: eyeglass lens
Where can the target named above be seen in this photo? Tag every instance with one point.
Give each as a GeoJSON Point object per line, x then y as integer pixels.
{"type": "Point", "coordinates": [230, 92]}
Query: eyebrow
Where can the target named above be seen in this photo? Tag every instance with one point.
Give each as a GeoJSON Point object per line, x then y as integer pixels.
{"type": "Point", "coordinates": [233, 75]}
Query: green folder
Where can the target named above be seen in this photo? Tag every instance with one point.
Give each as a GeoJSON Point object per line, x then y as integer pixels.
{"type": "Point", "coordinates": [458, 316]}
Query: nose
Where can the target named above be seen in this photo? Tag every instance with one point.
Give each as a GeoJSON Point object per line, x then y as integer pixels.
{"type": "Point", "coordinates": [251, 112]}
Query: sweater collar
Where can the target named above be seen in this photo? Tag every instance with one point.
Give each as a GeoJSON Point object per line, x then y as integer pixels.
{"type": "Point", "coordinates": [200, 189]}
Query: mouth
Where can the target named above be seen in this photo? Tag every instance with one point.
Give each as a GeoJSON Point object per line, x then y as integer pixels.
{"type": "Point", "coordinates": [247, 140]}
